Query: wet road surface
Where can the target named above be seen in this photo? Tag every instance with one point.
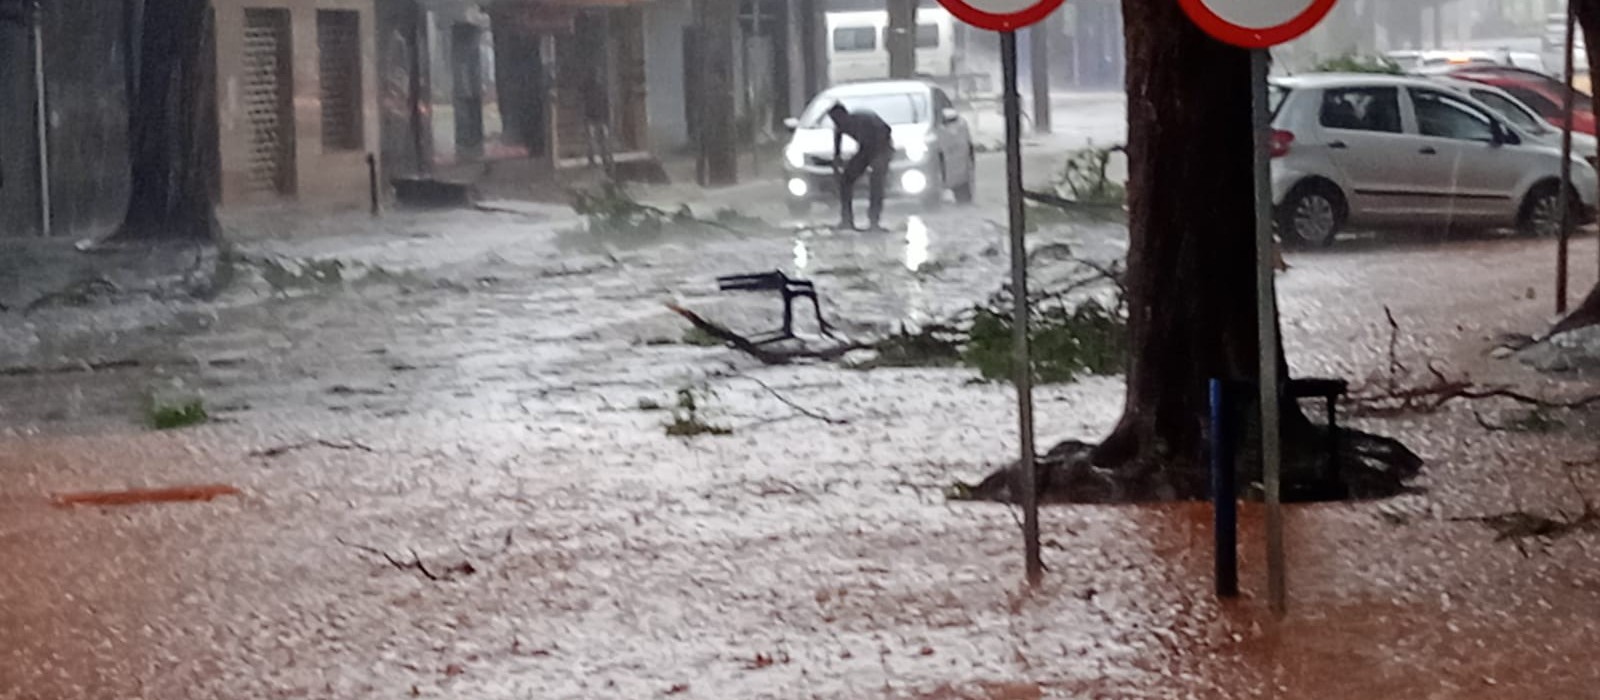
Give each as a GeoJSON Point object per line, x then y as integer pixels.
{"type": "Point", "coordinates": [457, 485]}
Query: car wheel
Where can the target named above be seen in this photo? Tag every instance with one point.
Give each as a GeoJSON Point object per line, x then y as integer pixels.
{"type": "Point", "coordinates": [963, 191]}
{"type": "Point", "coordinates": [799, 207]}
{"type": "Point", "coordinates": [933, 196]}
{"type": "Point", "coordinates": [1313, 214]}
{"type": "Point", "coordinates": [1541, 211]}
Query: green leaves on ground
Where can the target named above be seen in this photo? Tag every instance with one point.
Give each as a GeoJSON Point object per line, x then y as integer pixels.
{"type": "Point", "coordinates": [165, 416]}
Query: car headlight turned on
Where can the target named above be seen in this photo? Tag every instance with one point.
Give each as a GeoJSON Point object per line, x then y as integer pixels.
{"type": "Point", "coordinates": [916, 151]}
{"type": "Point", "coordinates": [913, 182]}
{"type": "Point", "coordinates": [798, 187]}
{"type": "Point", "coordinates": [794, 157]}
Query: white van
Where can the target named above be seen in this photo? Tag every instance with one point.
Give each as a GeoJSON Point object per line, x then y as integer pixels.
{"type": "Point", "coordinates": [857, 49]}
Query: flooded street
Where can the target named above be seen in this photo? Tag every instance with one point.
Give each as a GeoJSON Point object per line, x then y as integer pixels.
{"type": "Point", "coordinates": [456, 483]}
{"type": "Point", "coordinates": [522, 350]}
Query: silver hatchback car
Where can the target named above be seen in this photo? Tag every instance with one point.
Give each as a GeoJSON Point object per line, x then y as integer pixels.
{"type": "Point", "coordinates": [1381, 151]}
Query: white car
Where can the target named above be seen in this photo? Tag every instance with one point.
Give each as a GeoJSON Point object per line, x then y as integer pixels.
{"type": "Point", "coordinates": [933, 147]}
{"type": "Point", "coordinates": [1375, 150]}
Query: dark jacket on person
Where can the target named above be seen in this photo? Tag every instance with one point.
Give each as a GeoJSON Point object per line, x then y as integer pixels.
{"type": "Point", "coordinates": [871, 133]}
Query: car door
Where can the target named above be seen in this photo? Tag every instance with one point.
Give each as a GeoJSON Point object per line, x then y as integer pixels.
{"type": "Point", "coordinates": [1362, 130]}
{"type": "Point", "coordinates": [1464, 156]}
{"type": "Point", "coordinates": [955, 143]}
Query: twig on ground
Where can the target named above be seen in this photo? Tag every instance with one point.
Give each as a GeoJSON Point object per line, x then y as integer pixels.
{"type": "Point", "coordinates": [797, 407]}
{"type": "Point", "coordinates": [464, 568]}
{"type": "Point", "coordinates": [1518, 525]}
{"type": "Point", "coordinates": [1395, 368]}
{"type": "Point", "coordinates": [330, 444]}
{"type": "Point", "coordinates": [1487, 425]}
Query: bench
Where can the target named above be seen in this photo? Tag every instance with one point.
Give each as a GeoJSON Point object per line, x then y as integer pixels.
{"type": "Point", "coordinates": [790, 289]}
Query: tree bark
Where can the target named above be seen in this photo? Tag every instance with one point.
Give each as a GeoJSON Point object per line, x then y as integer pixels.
{"type": "Point", "coordinates": [717, 128]}
{"type": "Point", "coordinates": [172, 124]}
{"type": "Point", "coordinates": [901, 40]}
{"type": "Point", "coordinates": [1191, 252]}
{"type": "Point", "coordinates": [1588, 312]}
{"type": "Point", "coordinates": [1191, 293]}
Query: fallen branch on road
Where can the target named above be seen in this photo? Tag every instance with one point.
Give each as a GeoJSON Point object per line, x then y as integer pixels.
{"type": "Point", "coordinates": [330, 444]}
{"type": "Point", "coordinates": [1394, 398]}
{"type": "Point", "coordinates": [464, 568]}
{"type": "Point", "coordinates": [1431, 398]}
{"type": "Point", "coordinates": [766, 356]}
{"type": "Point", "coordinates": [797, 407]}
{"type": "Point", "coordinates": [1518, 525]}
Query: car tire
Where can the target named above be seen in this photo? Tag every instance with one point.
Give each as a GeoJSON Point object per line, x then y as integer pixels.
{"type": "Point", "coordinates": [1540, 212]}
{"type": "Point", "coordinates": [1312, 215]}
{"type": "Point", "coordinates": [933, 197]}
{"type": "Point", "coordinates": [799, 207]}
{"type": "Point", "coordinates": [963, 191]}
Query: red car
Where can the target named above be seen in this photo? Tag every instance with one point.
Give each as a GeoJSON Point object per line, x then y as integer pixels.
{"type": "Point", "coordinates": [1537, 90]}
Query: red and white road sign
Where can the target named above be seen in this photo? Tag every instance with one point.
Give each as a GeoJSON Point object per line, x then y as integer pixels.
{"type": "Point", "coordinates": [1256, 24]}
{"type": "Point", "coordinates": [1001, 15]}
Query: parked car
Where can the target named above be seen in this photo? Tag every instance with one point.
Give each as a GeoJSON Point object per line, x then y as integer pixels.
{"type": "Point", "coordinates": [1413, 60]}
{"type": "Point", "coordinates": [1373, 150]}
{"type": "Point", "coordinates": [858, 44]}
{"type": "Point", "coordinates": [1537, 90]}
{"type": "Point", "coordinates": [1523, 117]}
{"type": "Point", "coordinates": [933, 146]}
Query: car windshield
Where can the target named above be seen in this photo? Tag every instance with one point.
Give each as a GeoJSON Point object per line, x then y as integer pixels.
{"type": "Point", "coordinates": [894, 108]}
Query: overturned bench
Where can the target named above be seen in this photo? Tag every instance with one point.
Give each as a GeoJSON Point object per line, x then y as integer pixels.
{"type": "Point", "coordinates": [789, 288]}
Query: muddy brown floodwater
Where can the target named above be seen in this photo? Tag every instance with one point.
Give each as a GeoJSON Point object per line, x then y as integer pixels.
{"type": "Point", "coordinates": [465, 490]}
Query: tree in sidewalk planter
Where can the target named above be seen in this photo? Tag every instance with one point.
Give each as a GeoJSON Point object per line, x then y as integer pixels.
{"type": "Point", "coordinates": [1588, 311]}
{"type": "Point", "coordinates": [1191, 293]}
{"type": "Point", "coordinates": [172, 125]}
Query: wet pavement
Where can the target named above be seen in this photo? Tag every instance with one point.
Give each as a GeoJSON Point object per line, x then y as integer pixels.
{"type": "Point", "coordinates": [455, 482]}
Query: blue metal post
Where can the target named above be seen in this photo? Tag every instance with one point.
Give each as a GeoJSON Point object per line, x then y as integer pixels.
{"type": "Point", "coordinates": [1224, 495]}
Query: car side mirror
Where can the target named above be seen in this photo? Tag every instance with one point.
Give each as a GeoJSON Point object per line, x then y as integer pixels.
{"type": "Point", "coordinates": [791, 123]}
{"type": "Point", "coordinates": [949, 115]}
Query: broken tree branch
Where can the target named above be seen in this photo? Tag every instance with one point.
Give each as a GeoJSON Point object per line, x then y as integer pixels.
{"type": "Point", "coordinates": [766, 356]}
{"type": "Point", "coordinates": [797, 407]}
{"type": "Point", "coordinates": [464, 568]}
{"type": "Point", "coordinates": [330, 444]}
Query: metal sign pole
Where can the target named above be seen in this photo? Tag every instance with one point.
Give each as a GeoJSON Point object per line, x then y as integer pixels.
{"type": "Point", "coordinates": [41, 118]}
{"type": "Point", "coordinates": [1019, 294]}
{"type": "Point", "coordinates": [1565, 235]}
{"type": "Point", "coordinates": [1267, 332]}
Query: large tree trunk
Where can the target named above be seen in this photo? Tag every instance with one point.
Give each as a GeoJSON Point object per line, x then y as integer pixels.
{"type": "Point", "coordinates": [1191, 243]}
{"type": "Point", "coordinates": [172, 124]}
{"type": "Point", "coordinates": [1588, 312]}
{"type": "Point", "coordinates": [1191, 292]}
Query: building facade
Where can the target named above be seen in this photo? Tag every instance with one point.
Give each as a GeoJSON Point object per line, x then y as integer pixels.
{"type": "Point", "coordinates": [297, 92]}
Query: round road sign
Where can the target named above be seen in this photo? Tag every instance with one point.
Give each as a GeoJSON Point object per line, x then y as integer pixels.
{"type": "Point", "coordinates": [1001, 15]}
{"type": "Point", "coordinates": [1256, 24]}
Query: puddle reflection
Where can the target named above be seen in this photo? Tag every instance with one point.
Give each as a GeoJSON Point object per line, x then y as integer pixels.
{"type": "Point", "coordinates": [916, 243]}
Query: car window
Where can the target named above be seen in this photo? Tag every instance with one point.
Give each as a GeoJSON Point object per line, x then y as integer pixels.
{"type": "Point", "coordinates": [1540, 104]}
{"type": "Point", "coordinates": [1362, 109]}
{"type": "Point", "coordinates": [894, 108]}
{"type": "Point", "coordinates": [1444, 116]}
{"type": "Point", "coordinates": [927, 36]}
{"type": "Point", "coordinates": [1517, 114]}
{"type": "Point", "coordinates": [847, 39]}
